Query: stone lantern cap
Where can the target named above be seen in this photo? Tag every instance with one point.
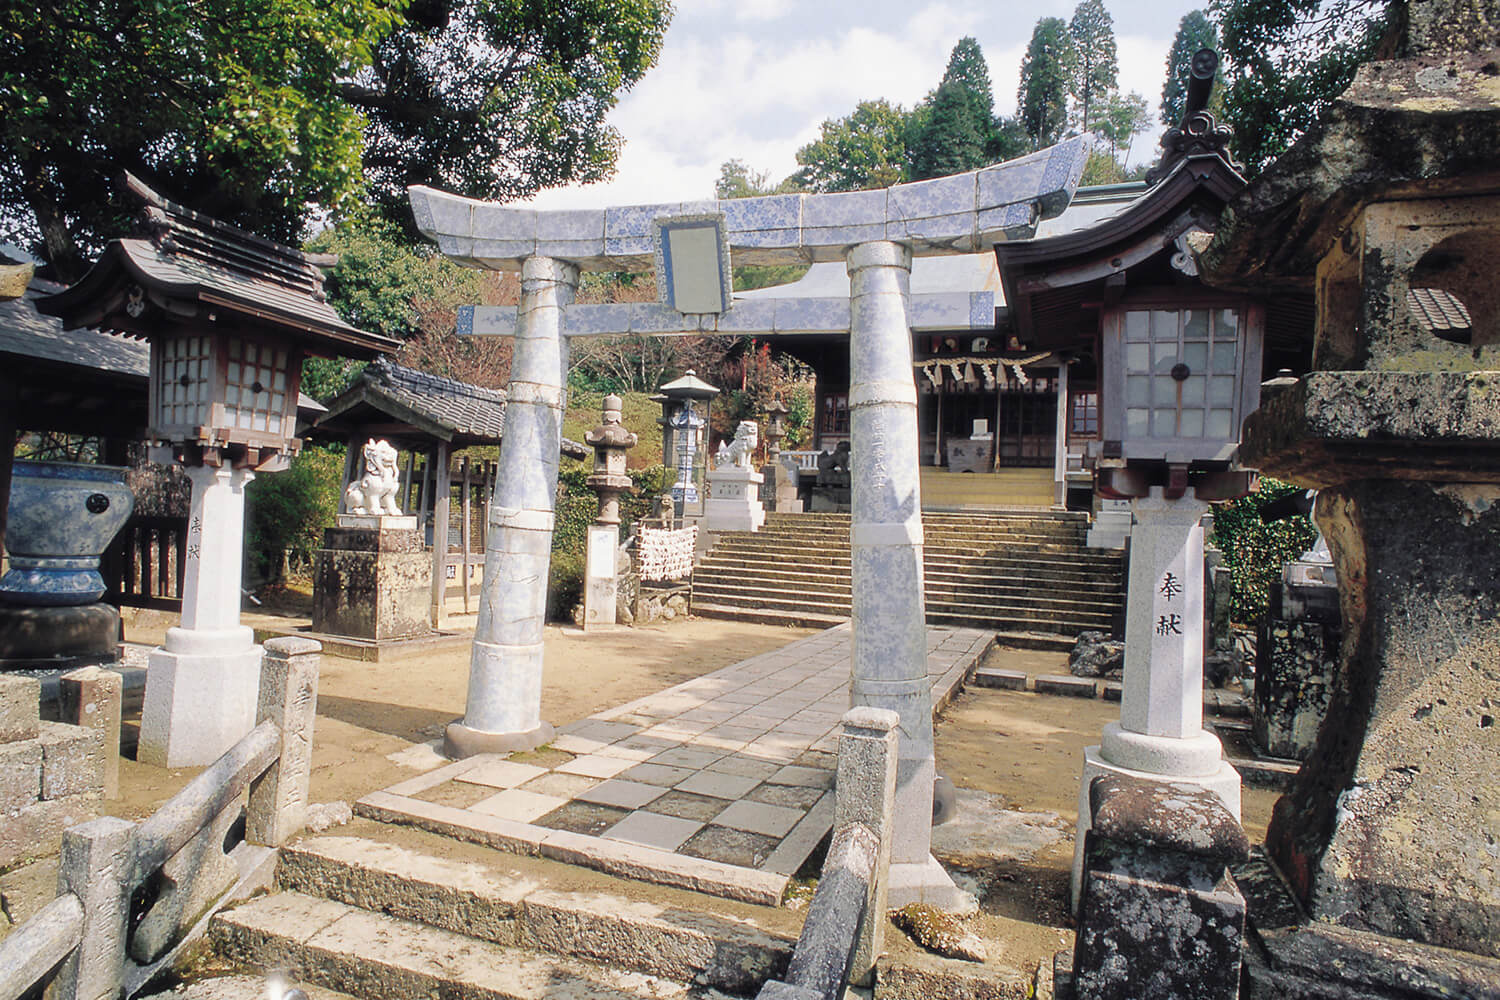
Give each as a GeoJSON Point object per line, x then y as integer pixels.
{"type": "Point", "coordinates": [689, 386]}
{"type": "Point", "coordinates": [611, 433]}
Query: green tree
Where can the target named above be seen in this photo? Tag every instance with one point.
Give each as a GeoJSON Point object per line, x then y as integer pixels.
{"type": "Point", "coordinates": [501, 98]}
{"type": "Point", "coordinates": [1287, 60]}
{"type": "Point", "coordinates": [235, 112]}
{"type": "Point", "coordinates": [259, 111]}
{"type": "Point", "coordinates": [1195, 31]}
{"type": "Point", "coordinates": [866, 149]}
{"type": "Point", "coordinates": [1096, 66]}
{"type": "Point", "coordinates": [378, 279]}
{"type": "Point", "coordinates": [955, 130]}
{"type": "Point", "coordinates": [1046, 72]}
{"type": "Point", "coordinates": [950, 141]}
{"type": "Point", "coordinates": [1118, 118]}
{"type": "Point", "coordinates": [1255, 550]}
{"type": "Point", "coordinates": [286, 513]}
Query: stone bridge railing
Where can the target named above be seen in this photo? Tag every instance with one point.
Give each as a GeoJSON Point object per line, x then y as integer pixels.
{"type": "Point", "coordinates": [83, 943]}
{"type": "Point", "coordinates": [841, 937]}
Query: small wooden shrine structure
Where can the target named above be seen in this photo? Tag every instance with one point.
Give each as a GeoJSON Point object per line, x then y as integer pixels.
{"type": "Point", "coordinates": [429, 418]}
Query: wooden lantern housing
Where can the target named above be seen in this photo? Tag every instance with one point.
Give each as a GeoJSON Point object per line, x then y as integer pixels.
{"type": "Point", "coordinates": [229, 316]}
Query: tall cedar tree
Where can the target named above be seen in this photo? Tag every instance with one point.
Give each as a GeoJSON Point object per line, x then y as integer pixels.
{"type": "Point", "coordinates": [1046, 71]}
{"type": "Point", "coordinates": [1287, 60]}
{"type": "Point", "coordinates": [955, 130]}
{"type": "Point", "coordinates": [1195, 31]}
{"type": "Point", "coordinates": [1096, 66]}
{"type": "Point", "coordinates": [866, 149]}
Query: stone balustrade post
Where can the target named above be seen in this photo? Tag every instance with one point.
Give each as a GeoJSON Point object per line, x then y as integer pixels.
{"type": "Point", "coordinates": [94, 865]}
{"type": "Point", "coordinates": [277, 808]}
{"type": "Point", "coordinates": [866, 794]}
{"type": "Point", "coordinates": [503, 709]}
{"type": "Point", "coordinates": [91, 697]}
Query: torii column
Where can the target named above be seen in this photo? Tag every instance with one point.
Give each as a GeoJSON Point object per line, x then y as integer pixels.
{"type": "Point", "coordinates": [889, 613]}
{"type": "Point", "coordinates": [503, 710]}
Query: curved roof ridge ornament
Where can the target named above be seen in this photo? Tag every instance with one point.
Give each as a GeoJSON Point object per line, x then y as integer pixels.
{"type": "Point", "coordinates": [1198, 134]}
{"type": "Point", "coordinates": [962, 213]}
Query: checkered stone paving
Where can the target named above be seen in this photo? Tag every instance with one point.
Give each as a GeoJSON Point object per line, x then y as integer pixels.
{"type": "Point", "coordinates": [722, 784]}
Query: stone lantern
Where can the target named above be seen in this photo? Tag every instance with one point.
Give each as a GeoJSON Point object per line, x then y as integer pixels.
{"type": "Point", "coordinates": [230, 317]}
{"type": "Point", "coordinates": [610, 440]}
{"type": "Point", "coordinates": [684, 423]}
{"type": "Point", "coordinates": [601, 586]}
{"type": "Point", "coordinates": [1389, 211]}
{"type": "Point", "coordinates": [779, 491]}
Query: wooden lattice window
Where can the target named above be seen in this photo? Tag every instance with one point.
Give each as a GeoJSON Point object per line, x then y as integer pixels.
{"type": "Point", "coordinates": [185, 381]}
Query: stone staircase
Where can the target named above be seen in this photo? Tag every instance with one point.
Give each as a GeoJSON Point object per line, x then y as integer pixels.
{"type": "Point", "coordinates": [377, 920]}
{"type": "Point", "coordinates": [1021, 571]}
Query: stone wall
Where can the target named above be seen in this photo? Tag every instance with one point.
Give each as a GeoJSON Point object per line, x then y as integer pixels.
{"type": "Point", "coordinates": [52, 775]}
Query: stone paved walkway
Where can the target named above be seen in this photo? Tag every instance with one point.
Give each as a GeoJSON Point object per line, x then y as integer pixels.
{"type": "Point", "coordinates": [722, 784]}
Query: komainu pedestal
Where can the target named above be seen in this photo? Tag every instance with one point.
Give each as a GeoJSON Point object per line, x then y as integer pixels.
{"type": "Point", "coordinates": [372, 579]}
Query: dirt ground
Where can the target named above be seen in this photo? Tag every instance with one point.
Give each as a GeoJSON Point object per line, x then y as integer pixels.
{"type": "Point", "coordinates": [1024, 748]}
{"type": "Point", "coordinates": [1028, 749]}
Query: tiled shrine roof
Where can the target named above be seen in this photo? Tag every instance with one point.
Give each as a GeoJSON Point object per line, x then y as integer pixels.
{"type": "Point", "coordinates": [431, 405]}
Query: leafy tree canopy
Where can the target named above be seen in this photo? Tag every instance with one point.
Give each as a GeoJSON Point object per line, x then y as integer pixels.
{"type": "Point", "coordinates": [1046, 73]}
{"type": "Point", "coordinates": [1195, 31]}
{"type": "Point", "coordinates": [501, 98]}
{"type": "Point", "coordinates": [1118, 117]}
{"type": "Point", "coordinates": [1096, 66]}
{"type": "Point", "coordinates": [254, 111]}
{"type": "Point", "coordinates": [866, 149]}
{"type": "Point", "coordinates": [235, 114]}
{"type": "Point", "coordinates": [1288, 59]}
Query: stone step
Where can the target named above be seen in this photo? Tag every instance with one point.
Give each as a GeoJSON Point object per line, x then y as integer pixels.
{"type": "Point", "coordinates": [974, 592]}
{"type": "Point", "coordinates": [1039, 572]}
{"type": "Point", "coordinates": [374, 956]}
{"type": "Point", "coordinates": [1061, 555]}
{"type": "Point", "coordinates": [726, 951]}
{"type": "Point", "coordinates": [946, 584]}
{"type": "Point", "coordinates": [795, 618]}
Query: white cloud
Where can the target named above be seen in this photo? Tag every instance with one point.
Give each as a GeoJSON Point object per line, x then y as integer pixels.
{"type": "Point", "coordinates": [753, 80]}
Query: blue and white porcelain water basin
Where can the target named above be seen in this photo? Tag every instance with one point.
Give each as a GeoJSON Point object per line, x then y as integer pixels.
{"type": "Point", "coordinates": [62, 516]}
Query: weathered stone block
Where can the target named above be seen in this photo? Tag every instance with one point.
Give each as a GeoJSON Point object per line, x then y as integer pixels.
{"type": "Point", "coordinates": [36, 830]}
{"type": "Point", "coordinates": [1294, 667]}
{"type": "Point", "coordinates": [92, 697]}
{"type": "Point", "coordinates": [1159, 915]}
{"type": "Point", "coordinates": [20, 774]}
{"type": "Point", "coordinates": [72, 761]}
{"type": "Point", "coordinates": [372, 584]}
{"type": "Point", "coordinates": [1071, 687]}
{"type": "Point", "coordinates": [19, 697]}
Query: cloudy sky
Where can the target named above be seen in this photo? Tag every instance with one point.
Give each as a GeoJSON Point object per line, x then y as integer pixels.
{"type": "Point", "coordinates": [753, 79]}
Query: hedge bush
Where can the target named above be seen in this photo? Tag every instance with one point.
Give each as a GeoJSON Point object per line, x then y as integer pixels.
{"type": "Point", "coordinates": [1254, 551]}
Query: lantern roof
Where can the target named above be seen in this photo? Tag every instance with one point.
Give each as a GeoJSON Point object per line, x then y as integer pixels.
{"type": "Point", "coordinates": [689, 386]}
{"type": "Point", "coordinates": [190, 269]}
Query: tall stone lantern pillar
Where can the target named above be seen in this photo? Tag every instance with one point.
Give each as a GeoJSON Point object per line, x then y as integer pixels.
{"type": "Point", "coordinates": [230, 317]}
{"type": "Point", "coordinates": [684, 443]}
{"type": "Point", "coordinates": [610, 440]}
{"type": "Point", "coordinates": [1390, 828]}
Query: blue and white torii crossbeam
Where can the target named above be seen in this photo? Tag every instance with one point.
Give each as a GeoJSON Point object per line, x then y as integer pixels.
{"type": "Point", "coordinates": [876, 234]}
{"type": "Point", "coordinates": [762, 317]}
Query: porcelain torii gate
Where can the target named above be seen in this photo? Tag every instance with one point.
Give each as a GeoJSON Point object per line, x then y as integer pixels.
{"type": "Point", "coordinates": [876, 233]}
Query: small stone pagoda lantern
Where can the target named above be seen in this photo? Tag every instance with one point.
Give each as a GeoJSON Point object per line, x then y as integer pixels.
{"type": "Point", "coordinates": [610, 440]}
{"type": "Point", "coordinates": [230, 317]}
{"type": "Point", "coordinates": [779, 491]}
{"type": "Point", "coordinates": [684, 424]}
{"type": "Point", "coordinates": [601, 587]}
